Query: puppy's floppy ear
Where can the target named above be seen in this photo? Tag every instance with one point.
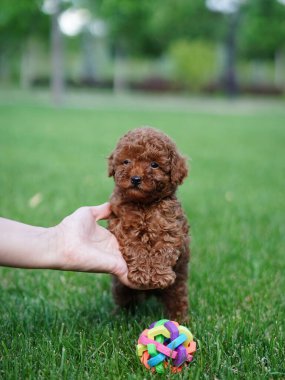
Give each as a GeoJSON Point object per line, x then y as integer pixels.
{"type": "Point", "coordinates": [111, 166]}
{"type": "Point", "coordinates": [179, 169]}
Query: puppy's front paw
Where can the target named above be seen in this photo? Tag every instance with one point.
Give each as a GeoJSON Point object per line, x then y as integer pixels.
{"type": "Point", "coordinates": [152, 278]}
{"type": "Point", "coordinates": [139, 277]}
{"type": "Point", "coordinates": [162, 277]}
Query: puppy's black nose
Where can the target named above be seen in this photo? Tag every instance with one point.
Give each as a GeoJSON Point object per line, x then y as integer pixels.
{"type": "Point", "coordinates": [136, 180]}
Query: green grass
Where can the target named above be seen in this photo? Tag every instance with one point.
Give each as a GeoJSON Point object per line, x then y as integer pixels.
{"type": "Point", "coordinates": [56, 325]}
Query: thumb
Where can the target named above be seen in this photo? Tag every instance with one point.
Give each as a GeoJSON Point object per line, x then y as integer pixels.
{"type": "Point", "coordinates": [101, 211]}
{"type": "Point", "coordinates": [124, 280]}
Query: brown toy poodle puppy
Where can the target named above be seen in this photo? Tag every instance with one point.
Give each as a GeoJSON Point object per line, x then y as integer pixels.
{"type": "Point", "coordinates": [148, 221]}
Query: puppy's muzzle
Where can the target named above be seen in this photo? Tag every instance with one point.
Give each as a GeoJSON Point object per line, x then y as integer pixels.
{"type": "Point", "coordinates": [136, 180]}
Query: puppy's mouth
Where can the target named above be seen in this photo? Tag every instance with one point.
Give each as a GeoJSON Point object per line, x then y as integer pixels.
{"type": "Point", "coordinates": [136, 188]}
{"type": "Point", "coordinates": [136, 191]}
{"type": "Point", "coordinates": [140, 187]}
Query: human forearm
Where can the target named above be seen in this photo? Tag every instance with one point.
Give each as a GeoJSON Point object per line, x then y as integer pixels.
{"type": "Point", "coordinates": [77, 243]}
{"type": "Point", "coordinates": [25, 246]}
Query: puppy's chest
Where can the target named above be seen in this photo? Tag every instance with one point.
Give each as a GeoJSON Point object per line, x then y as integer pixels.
{"type": "Point", "coordinates": [144, 225]}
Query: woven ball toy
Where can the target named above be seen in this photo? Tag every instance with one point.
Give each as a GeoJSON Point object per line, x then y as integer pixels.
{"type": "Point", "coordinates": [165, 343]}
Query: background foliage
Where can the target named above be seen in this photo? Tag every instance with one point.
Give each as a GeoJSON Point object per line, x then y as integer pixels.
{"type": "Point", "coordinates": [147, 30]}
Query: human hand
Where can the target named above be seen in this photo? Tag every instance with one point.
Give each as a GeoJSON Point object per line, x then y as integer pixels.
{"type": "Point", "coordinates": [83, 245]}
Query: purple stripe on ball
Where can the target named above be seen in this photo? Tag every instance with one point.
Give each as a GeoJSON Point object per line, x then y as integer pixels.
{"type": "Point", "coordinates": [152, 325]}
{"type": "Point", "coordinates": [172, 328]}
{"type": "Point", "coordinates": [181, 356]}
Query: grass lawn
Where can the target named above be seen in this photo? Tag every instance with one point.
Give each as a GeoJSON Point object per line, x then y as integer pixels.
{"type": "Point", "coordinates": [56, 325]}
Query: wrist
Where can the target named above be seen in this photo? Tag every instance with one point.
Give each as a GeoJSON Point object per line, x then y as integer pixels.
{"type": "Point", "coordinates": [53, 252]}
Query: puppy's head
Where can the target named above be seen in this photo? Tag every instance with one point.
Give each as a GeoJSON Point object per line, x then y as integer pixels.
{"type": "Point", "coordinates": [146, 166]}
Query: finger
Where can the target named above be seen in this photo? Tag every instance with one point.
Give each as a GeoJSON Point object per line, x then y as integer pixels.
{"type": "Point", "coordinates": [124, 279]}
{"type": "Point", "coordinates": [122, 273]}
{"type": "Point", "coordinates": [101, 211]}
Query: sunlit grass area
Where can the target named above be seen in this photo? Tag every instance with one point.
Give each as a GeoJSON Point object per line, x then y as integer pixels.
{"type": "Point", "coordinates": [52, 160]}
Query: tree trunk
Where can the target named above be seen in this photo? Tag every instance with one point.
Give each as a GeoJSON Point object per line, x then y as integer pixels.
{"type": "Point", "coordinates": [5, 67]}
{"type": "Point", "coordinates": [57, 72]}
{"type": "Point", "coordinates": [279, 69]}
{"type": "Point", "coordinates": [88, 67]}
{"type": "Point", "coordinates": [230, 76]}
{"type": "Point", "coordinates": [120, 69]}
{"type": "Point", "coordinates": [26, 65]}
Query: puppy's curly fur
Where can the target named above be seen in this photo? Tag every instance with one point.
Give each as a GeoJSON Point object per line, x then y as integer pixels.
{"type": "Point", "coordinates": [148, 221]}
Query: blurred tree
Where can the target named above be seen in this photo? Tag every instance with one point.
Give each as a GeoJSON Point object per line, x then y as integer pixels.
{"type": "Point", "coordinates": [19, 22]}
{"type": "Point", "coordinates": [57, 69]}
{"type": "Point", "coordinates": [231, 11]}
{"type": "Point", "coordinates": [194, 62]}
{"type": "Point", "coordinates": [127, 28]}
{"type": "Point", "coordinates": [263, 28]}
{"type": "Point", "coordinates": [148, 28]}
{"type": "Point", "coordinates": [183, 19]}
{"type": "Point", "coordinates": [262, 34]}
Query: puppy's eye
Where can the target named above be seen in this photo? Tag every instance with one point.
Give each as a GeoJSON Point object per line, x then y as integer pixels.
{"type": "Point", "coordinates": [126, 162]}
{"type": "Point", "coordinates": [154, 165]}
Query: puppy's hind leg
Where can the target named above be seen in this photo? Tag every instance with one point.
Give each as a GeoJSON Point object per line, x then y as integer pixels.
{"type": "Point", "coordinates": [175, 301]}
{"type": "Point", "coordinates": [175, 297]}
